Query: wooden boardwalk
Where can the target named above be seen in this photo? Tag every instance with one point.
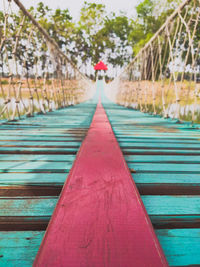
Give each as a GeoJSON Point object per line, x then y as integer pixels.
{"type": "Point", "coordinates": [37, 154]}
{"type": "Point", "coordinates": [100, 219]}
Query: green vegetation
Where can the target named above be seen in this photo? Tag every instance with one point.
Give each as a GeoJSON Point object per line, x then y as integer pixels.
{"type": "Point", "coordinates": [98, 34]}
{"type": "Point", "coordinates": [4, 82]}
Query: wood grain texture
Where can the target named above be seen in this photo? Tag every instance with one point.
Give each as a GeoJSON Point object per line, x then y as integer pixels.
{"type": "Point", "coordinates": [18, 249]}
{"type": "Point", "coordinates": [27, 206]}
{"type": "Point", "coordinates": [181, 246]}
{"type": "Point", "coordinates": [100, 219]}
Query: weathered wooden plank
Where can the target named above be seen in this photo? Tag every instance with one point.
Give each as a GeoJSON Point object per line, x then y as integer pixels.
{"type": "Point", "coordinates": [53, 128]}
{"type": "Point", "coordinates": [27, 206]}
{"type": "Point", "coordinates": [26, 213]}
{"type": "Point", "coordinates": [162, 159]}
{"type": "Point", "coordinates": [162, 140]}
{"type": "Point", "coordinates": [43, 158]}
{"type": "Point", "coordinates": [170, 129]}
{"type": "Point", "coordinates": [32, 178]}
{"type": "Point", "coordinates": [160, 145]}
{"type": "Point", "coordinates": [173, 178]}
{"type": "Point", "coordinates": [149, 132]}
{"type": "Point", "coordinates": [162, 152]}
{"type": "Point", "coordinates": [70, 133]}
{"type": "Point", "coordinates": [39, 151]}
{"type": "Point", "coordinates": [34, 171]}
{"type": "Point", "coordinates": [181, 246]}
{"type": "Point", "coordinates": [38, 144]}
{"type": "Point", "coordinates": [153, 134]}
{"type": "Point", "coordinates": [164, 167]}
{"type": "Point", "coordinates": [39, 138]}
{"type": "Point", "coordinates": [34, 165]}
{"type": "Point", "coordinates": [166, 205]}
{"type": "Point", "coordinates": [19, 248]}
{"type": "Point", "coordinates": [34, 147]}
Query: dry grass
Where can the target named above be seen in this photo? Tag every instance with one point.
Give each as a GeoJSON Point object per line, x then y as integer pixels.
{"type": "Point", "coordinates": [149, 95]}
{"type": "Point", "coordinates": [30, 95]}
{"type": "Point", "coordinates": [145, 91]}
{"type": "Point", "coordinates": [26, 89]}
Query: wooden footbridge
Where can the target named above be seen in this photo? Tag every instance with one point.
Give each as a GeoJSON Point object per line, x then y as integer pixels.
{"type": "Point", "coordinates": [88, 177]}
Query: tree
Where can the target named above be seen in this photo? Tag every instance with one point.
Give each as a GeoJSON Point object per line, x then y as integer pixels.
{"type": "Point", "coordinates": [90, 26]}
{"type": "Point", "coordinates": [150, 17]}
{"type": "Point", "coordinates": [117, 30]}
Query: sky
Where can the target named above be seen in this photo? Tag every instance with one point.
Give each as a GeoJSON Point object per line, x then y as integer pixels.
{"type": "Point", "coordinates": [75, 5]}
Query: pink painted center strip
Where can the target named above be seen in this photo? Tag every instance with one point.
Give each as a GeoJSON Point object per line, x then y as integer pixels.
{"type": "Point", "coordinates": [100, 219]}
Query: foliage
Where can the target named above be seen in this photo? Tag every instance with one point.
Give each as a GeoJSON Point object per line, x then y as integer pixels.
{"type": "Point", "coordinates": [97, 34]}
{"type": "Point", "coordinates": [150, 17]}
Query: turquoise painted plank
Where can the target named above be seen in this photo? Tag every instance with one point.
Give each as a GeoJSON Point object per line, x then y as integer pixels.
{"type": "Point", "coordinates": [172, 205]}
{"type": "Point", "coordinates": [57, 118]}
{"type": "Point", "coordinates": [46, 138]}
{"type": "Point", "coordinates": [163, 130]}
{"type": "Point", "coordinates": [41, 132]}
{"type": "Point", "coordinates": [132, 119]}
{"type": "Point", "coordinates": [161, 151]}
{"type": "Point", "coordinates": [160, 145]}
{"type": "Point", "coordinates": [172, 138]}
{"type": "Point", "coordinates": [37, 158]}
{"type": "Point", "coordinates": [64, 124]}
{"type": "Point", "coordinates": [166, 178]}
{"type": "Point", "coordinates": [34, 149]}
{"type": "Point", "coordinates": [136, 140]}
{"type": "Point", "coordinates": [161, 159]}
{"type": "Point", "coordinates": [19, 249]}
{"type": "Point", "coordinates": [41, 171]}
{"type": "Point", "coordinates": [27, 206]}
{"type": "Point", "coordinates": [34, 143]}
{"type": "Point", "coordinates": [32, 179]}
{"type": "Point", "coordinates": [34, 165]}
{"type": "Point", "coordinates": [181, 246]}
{"type": "Point", "coordinates": [153, 126]}
{"type": "Point", "coordinates": [131, 131]}
{"type": "Point", "coordinates": [166, 167]}
{"type": "Point", "coordinates": [48, 124]}
{"type": "Point", "coordinates": [150, 134]}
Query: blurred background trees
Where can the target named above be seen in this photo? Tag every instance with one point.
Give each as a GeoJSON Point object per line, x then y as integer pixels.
{"type": "Point", "coordinates": [99, 35]}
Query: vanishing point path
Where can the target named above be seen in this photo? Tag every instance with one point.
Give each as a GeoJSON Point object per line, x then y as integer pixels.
{"type": "Point", "coordinates": [131, 194]}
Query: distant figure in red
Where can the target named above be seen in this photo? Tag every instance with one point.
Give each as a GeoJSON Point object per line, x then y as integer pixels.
{"type": "Point", "coordinates": [100, 68]}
